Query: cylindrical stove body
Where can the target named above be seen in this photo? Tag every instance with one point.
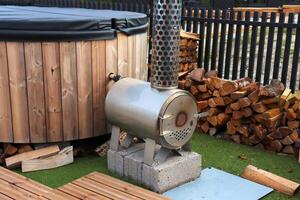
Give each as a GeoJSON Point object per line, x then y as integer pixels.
{"type": "Point", "coordinates": [165, 116]}
{"type": "Point", "coordinates": [165, 43]}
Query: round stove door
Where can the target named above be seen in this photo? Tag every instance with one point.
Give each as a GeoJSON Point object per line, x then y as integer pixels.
{"type": "Point", "coordinates": [177, 123]}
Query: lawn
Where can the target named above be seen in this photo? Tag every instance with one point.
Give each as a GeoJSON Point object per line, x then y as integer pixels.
{"type": "Point", "coordinates": [221, 154]}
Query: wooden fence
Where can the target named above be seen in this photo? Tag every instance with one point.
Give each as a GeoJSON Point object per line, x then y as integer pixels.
{"type": "Point", "coordinates": [238, 43]}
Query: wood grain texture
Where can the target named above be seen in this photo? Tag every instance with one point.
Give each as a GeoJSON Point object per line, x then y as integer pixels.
{"type": "Point", "coordinates": [69, 90]}
{"type": "Point", "coordinates": [52, 78]}
{"type": "Point", "coordinates": [144, 56]}
{"type": "Point", "coordinates": [35, 90]}
{"type": "Point", "coordinates": [98, 62]}
{"type": "Point", "coordinates": [5, 108]}
{"type": "Point", "coordinates": [122, 55]}
{"type": "Point", "coordinates": [85, 94]}
{"type": "Point", "coordinates": [19, 104]}
{"type": "Point", "coordinates": [111, 60]}
{"type": "Point", "coordinates": [130, 52]}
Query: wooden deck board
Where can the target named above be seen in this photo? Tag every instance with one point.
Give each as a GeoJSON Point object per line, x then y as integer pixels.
{"type": "Point", "coordinates": [94, 186]}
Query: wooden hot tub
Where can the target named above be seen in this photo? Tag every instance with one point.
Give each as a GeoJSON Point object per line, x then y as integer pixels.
{"type": "Point", "coordinates": [54, 64]}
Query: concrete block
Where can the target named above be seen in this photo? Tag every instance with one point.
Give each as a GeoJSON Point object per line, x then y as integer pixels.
{"type": "Point", "coordinates": [175, 171]}
{"type": "Point", "coordinates": [159, 177]}
{"type": "Point", "coordinates": [115, 159]}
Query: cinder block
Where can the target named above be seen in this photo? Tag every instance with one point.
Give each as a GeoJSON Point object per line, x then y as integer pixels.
{"type": "Point", "coordinates": [115, 159]}
{"type": "Point", "coordinates": [159, 177]}
{"type": "Point", "coordinates": [173, 172]}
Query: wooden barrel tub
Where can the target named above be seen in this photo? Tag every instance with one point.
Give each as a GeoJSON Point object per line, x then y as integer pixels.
{"type": "Point", "coordinates": [53, 85]}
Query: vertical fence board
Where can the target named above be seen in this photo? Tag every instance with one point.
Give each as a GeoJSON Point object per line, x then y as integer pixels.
{"type": "Point", "coordinates": [98, 57]}
{"type": "Point", "coordinates": [18, 88]}
{"type": "Point", "coordinates": [287, 48]}
{"type": "Point", "coordinates": [229, 45]}
{"type": "Point", "coordinates": [245, 45]}
{"type": "Point", "coordinates": [6, 134]}
{"type": "Point", "coordinates": [278, 47]}
{"type": "Point", "coordinates": [69, 90]}
{"type": "Point", "coordinates": [222, 44]}
{"type": "Point", "coordinates": [237, 47]}
{"type": "Point", "coordinates": [215, 41]}
{"type": "Point", "coordinates": [52, 81]}
{"type": "Point", "coordinates": [201, 41]}
{"type": "Point", "coordinates": [35, 91]}
{"type": "Point", "coordinates": [295, 64]}
{"type": "Point", "coordinates": [269, 50]}
{"type": "Point", "coordinates": [85, 94]}
{"type": "Point", "coordinates": [253, 46]}
{"type": "Point", "coordinates": [207, 41]}
{"type": "Point", "coordinates": [261, 48]}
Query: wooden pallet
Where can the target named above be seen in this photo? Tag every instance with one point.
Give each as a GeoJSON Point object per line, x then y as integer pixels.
{"type": "Point", "coordinates": [94, 186]}
{"type": "Point", "coordinates": [15, 186]}
{"type": "Point", "coordinates": [97, 186]}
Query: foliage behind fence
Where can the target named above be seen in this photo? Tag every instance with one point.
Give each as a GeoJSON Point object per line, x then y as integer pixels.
{"type": "Point", "coordinates": [261, 45]}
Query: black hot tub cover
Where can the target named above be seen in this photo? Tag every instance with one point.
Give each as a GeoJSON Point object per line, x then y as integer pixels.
{"type": "Point", "coordinates": [51, 23]}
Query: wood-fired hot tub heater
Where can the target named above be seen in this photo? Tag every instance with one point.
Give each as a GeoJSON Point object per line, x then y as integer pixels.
{"type": "Point", "coordinates": [158, 113]}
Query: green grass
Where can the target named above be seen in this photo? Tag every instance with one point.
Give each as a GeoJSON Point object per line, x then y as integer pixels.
{"type": "Point", "coordinates": [216, 153]}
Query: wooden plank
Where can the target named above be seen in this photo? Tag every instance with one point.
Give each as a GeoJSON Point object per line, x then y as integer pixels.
{"type": "Point", "coordinates": [19, 104]}
{"type": "Point", "coordinates": [27, 184]}
{"type": "Point", "coordinates": [4, 197]}
{"type": "Point", "coordinates": [104, 190]}
{"type": "Point", "coordinates": [99, 74]}
{"type": "Point", "coordinates": [52, 78]}
{"type": "Point", "coordinates": [64, 157]}
{"type": "Point", "coordinates": [122, 55]}
{"type": "Point", "coordinates": [16, 192]}
{"type": "Point", "coordinates": [17, 159]}
{"type": "Point", "coordinates": [35, 90]}
{"type": "Point", "coordinates": [131, 62]}
{"type": "Point", "coordinates": [57, 194]}
{"type": "Point", "coordinates": [144, 56]}
{"type": "Point", "coordinates": [5, 107]}
{"type": "Point", "coordinates": [69, 90]}
{"type": "Point", "coordinates": [111, 60]}
{"type": "Point", "coordinates": [85, 94]}
{"type": "Point", "coordinates": [123, 186]}
{"type": "Point", "coordinates": [137, 57]}
{"type": "Point", "coordinates": [81, 193]}
{"type": "Point", "coordinates": [271, 180]}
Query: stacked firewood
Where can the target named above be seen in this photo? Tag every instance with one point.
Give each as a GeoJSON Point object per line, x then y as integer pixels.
{"type": "Point", "coordinates": [267, 117]}
{"type": "Point", "coordinates": [188, 51]}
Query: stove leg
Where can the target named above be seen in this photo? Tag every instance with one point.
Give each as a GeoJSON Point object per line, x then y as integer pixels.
{"type": "Point", "coordinates": [149, 151]}
{"type": "Point", "coordinates": [114, 140]}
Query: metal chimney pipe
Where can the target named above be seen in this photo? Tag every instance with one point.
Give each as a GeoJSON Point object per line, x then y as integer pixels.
{"type": "Point", "coordinates": [165, 43]}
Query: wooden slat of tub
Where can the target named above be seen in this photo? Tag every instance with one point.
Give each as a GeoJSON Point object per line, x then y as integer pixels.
{"type": "Point", "coordinates": [144, 61]}
{"type": "Point", "coordinates": [52, 80]}
{"type": "Point", "coordinates": [111, 60]}
{"type": "Point", "coordinates": [69, 90]}
{"type": "Point", "coordinates": [98, 62]}
{"type": "Point", "coordinates": [122, 55]}
{"type": "Point", "coordinates": [137, 56]}
{"type": "Point", "coordinates": [35, 91]}
{"type": "Point", "coordinates": [19, 104]}
{"type": "Point", "coordinates": [85, 95]}
{"type": "Point", "coordinates": [131, 56]}
{"type": "Point", "coordinates": [5, 108]}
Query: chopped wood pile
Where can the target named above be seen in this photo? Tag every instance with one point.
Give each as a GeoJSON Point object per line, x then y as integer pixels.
{"type": "Point", "coordinates": [188, 51]}
{"type": "Point", "coordinates": [267, 117]}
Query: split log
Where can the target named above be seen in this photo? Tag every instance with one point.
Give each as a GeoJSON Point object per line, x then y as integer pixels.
{"type": "Point", "coordinates": [24, 148]}
{"type": "Point", "coordinates": [288, 150]}
{"type": "Point", "coordinates": [259, 107]}
{"type": "Point", "coordinates": [271, 180]}
{"type": "Point", "coordinates": [64, 157]}
{"type": "Point", "coordinates": [235, 106]}
{"type": "Point", "coordinates": [204, 127]}
{"type": "Point", "coordinates": [287, 141]}
{"type": "Point", "coordinates": [244, 102]}
{"type": "Point", "coordinates": [275, 88]}
{"type": "Point", "coordinates": [272, 113]}
{"type": "Point", "coordinates": [9, 149]}
{"type": "Point", "coordinates": [202, 105]}
{"type": "Point", "coordinates": [253, 96]}
{"type": "Point", "coordinates": [197, 74]}
{"type": "Point", "coordinates": [238, 94]}
{"type": "Point", "coordinates": [16, 160]}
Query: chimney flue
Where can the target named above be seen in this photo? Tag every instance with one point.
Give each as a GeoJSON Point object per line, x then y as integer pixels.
{"type": "Point", "coordinates": [165, 43]}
